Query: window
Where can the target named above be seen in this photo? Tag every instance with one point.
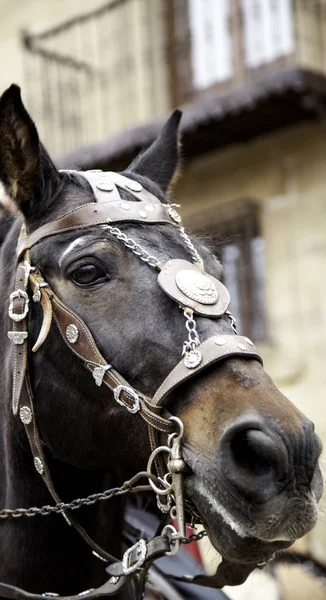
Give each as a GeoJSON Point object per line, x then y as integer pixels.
{"type": "Point", "coordinates": [268, 30]}
{"type": "Point", "coordinates": [211, 44]}
{"type": "Point", "coordinates": [242, 249]}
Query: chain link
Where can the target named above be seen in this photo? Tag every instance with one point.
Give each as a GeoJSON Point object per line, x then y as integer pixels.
{"type": "Point", "coordinates": [194, 537]}
{"type": "Point", "coordinates": [195, 256]}
{"type": "Point", "coordinates": [126, 488]}
{"type": "Point", "coordinates": [193, 338]}
{"type": "Point", "coordinates": [137, 249]}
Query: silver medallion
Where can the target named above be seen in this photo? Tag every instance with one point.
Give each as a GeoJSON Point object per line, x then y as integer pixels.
{"type": "Point", "coordinates": [72, 333]}
{"type": "Point", "coordinates": [174, 215]}
{"type": "Point", "coordinates": [38, 465]}
{"type": "Point", "coordinates": [192, 359]}
{"type": "Point", "coordinates": [197, 286]}
{"type": "Point", "coordinates": [17, 337]}
{"type": "Point", "coordinates": [25, 414]}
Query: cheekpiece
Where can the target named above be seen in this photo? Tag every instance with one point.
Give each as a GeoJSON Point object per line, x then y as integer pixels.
{"type": "Point", "coordinates": [193, 288]}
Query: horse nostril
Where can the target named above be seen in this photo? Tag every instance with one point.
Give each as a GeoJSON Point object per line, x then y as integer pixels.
{"type": "Point", "coordinates": [254, 451]}
{"type": "Point", "coordinates": [254, 459]}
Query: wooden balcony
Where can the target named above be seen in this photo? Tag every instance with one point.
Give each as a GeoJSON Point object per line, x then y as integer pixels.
{"type": "Point", "coordinates": [240, 67]}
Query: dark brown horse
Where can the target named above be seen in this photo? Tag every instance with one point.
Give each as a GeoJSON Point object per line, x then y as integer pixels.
{"type": "Point", "coordinates": [252, 477]}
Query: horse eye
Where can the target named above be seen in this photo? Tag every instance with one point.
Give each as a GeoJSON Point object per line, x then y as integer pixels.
{"type": "Point", "coordinates": [88, 274]}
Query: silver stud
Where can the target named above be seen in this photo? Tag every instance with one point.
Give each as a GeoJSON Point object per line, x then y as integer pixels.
{"type": "Point", "coordinates": [25, 414]}
{"type": "Point", "coordinates": [38, 465]}
{"type": "Point", "coordinates": [94, 171]}
{"type": "Point", "coordinates": [17, 337]}
{"type": "Point", "coordinates": [105, 186]}
{"type": "Point", "coordinates": [37, 294]}
{"type": "Point", "coordinates": [72, 333]}
{"type": "Point", "coordinates": [134, 186]}
{"type": "Point", "coordinates": [125, 205]}
{"type": "Point", "coordinates": [192, 359]}
{"type": "Point", "coordinates": [174, 214]}
{"type": "Point", "coordinates": [249, 341]}
{"type": "Point", "coordinates": [149, 207]}
{"type": "Point", "coordinates": [220, 340]}
{"type": "Point", "coordinates": [241, 346]}
{"type": "Point", "coordinates": [114, 580]}
{"type": "Point", "coordinates": [142, 214]}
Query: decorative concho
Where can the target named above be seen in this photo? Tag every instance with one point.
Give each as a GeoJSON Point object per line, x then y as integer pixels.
{"type": "Point", "coordinates": [25, 414]}
{"type": "Point", "coordinates": [38, 465]}
{"type": "Point", "coordinates": [174, 215]}
{"type": "Point", "coordinates": [192, 359]}
{"type": "Point", "coordinates": [72, 333]}
{"type": "Point", "coordinates": [17, 337]}
{"type": "Point", "coordinates": [197, 286]}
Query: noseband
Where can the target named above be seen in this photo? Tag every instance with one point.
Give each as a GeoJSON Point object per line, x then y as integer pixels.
{"type": "Point", "coordinates": [194, 291]}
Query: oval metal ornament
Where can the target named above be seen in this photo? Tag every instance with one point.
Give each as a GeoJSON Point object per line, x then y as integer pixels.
{"type": "Point", "coordinates": [197, 286]}
{"type": "Point", "coordinates": [190, 287]}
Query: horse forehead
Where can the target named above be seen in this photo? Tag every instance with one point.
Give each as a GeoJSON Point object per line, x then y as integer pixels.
{"type": "Point", "coordinates": [80, 241]}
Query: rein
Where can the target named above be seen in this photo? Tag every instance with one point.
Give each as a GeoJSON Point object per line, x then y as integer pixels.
{"type": "Point", "coordinates": [195, 292]}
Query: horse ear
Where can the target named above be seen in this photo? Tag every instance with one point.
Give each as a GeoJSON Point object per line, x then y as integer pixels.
{"type": "Point", "coordinates": [161, 161]}
{"type": "Point", "coordinates": [25, 165]}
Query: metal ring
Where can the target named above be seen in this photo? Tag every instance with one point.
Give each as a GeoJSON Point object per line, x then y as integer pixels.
{"type": "Point", "coordinates": [175, 537]}
{"type": "Point", "coordinates": [157, 490]}
{"type": "Point", "coordinates": [176, 436]}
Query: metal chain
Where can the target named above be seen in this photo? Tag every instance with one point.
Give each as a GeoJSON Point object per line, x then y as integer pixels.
{"type": "Point", "coordinates": [126, 488]}
{"type": "Point", "coordinates": [195, 537]}
{"type": "Point", "coordinates": [137, 249]}
{"type": "Point", "coordinates": [195, 256]}
{"type": "Point", "coordinates": [193, 338]}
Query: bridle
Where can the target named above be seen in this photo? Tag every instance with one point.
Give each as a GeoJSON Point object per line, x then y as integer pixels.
{"type": "Point", "coordinates": [195, 292]}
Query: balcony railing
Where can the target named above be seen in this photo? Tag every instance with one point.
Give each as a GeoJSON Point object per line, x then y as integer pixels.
{"type": "Point", "coordinates": [130, 61]}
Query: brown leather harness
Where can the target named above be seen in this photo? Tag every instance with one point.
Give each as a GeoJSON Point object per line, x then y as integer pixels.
{"type": "Point", "coordinates": [196, 293]}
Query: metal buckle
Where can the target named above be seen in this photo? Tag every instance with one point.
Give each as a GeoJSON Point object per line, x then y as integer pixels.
{"type": "Point", "coordinates": [20, 316]}
{"type": "Point", "coordinates": [124, 388]}
{"type": "Point", "coordinates": [141, 550]}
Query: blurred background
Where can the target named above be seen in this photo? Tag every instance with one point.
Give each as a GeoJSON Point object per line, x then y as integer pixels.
{"type": "Point", "coordinates": [98, 78]}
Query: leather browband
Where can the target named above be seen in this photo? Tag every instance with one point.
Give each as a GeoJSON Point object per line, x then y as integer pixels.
{"type": "Point", "coordinates": [97, 214]}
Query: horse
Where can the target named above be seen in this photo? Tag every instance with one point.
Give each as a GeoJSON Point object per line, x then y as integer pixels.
{"type": "Point", "coordinates": [119, 356]}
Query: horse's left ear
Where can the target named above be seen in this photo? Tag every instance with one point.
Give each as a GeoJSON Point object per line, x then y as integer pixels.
{"type": "Point", "coordinates": [25, 165]}
{"type": "Point", "coordinates": [160, 162]}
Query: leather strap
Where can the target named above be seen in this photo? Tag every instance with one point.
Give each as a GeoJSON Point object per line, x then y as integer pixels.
{"type": "Point", "coordinates": [155, 548]}
{"type": "Point", "coordinates": [99, 213]}
{"type": "Point", "coordinates": [212, 350]}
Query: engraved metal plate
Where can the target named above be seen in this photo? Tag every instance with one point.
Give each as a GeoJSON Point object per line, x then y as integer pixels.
{"type": "Point", "coordinates": [72, 333]}
{"type": "Point", "coordinates": [17, 337]}
{"type": "Point", "coordinates": [192, 359]}
{"type": "Point", "coordinates": [38, 465]}
{"type": "Point", "coordinates": [25, 414]}
{"type": "Point", "coordinates": [197, 286]}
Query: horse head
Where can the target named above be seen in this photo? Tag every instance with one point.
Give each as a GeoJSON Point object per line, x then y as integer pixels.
{"type": "Point", "coordinates": [251, 456]}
